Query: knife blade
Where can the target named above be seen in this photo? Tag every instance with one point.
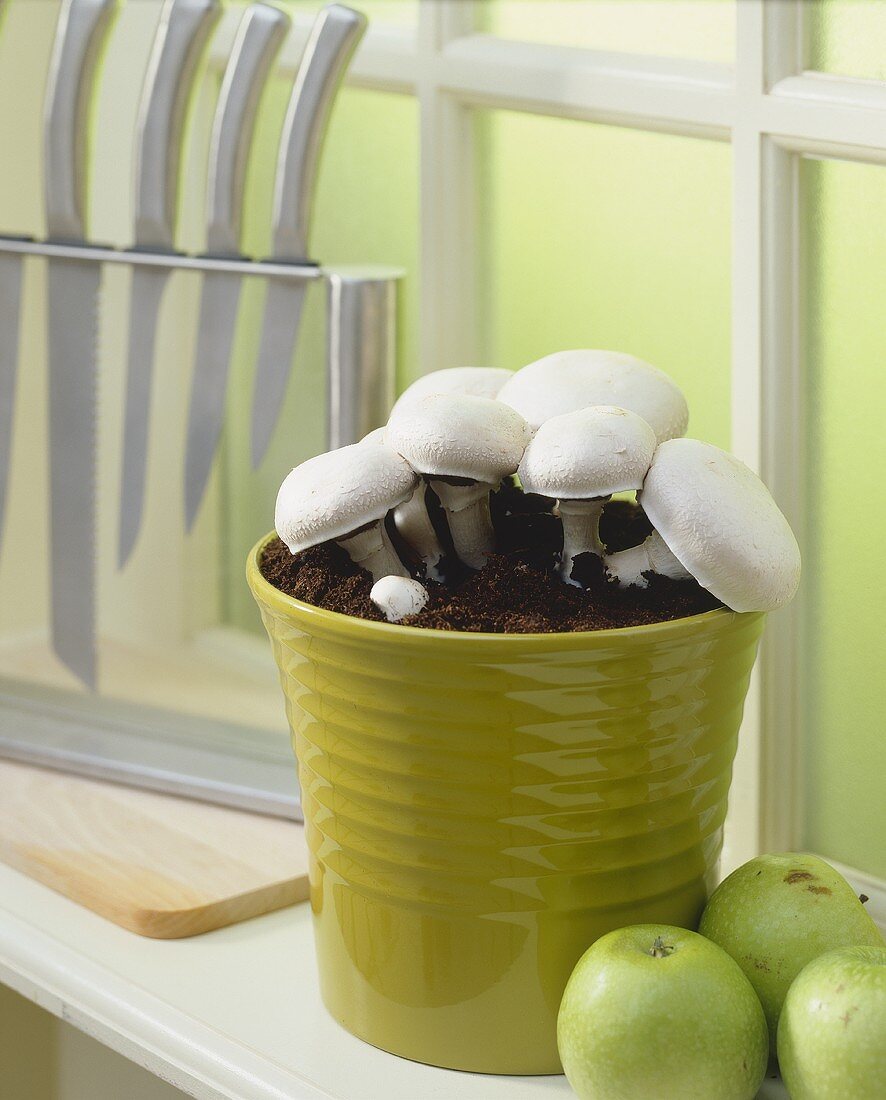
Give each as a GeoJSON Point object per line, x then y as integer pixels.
{"type": "Point", "coordinates": [10, 313]}
{"type": "Point", "coordinates": [259, 37]}
{"type": "Point", "coordinates": [182, 33]}
{"type": "Point", "coordinates": [334, 38]}
{"type": "Point", "coordinates": [72, 300]}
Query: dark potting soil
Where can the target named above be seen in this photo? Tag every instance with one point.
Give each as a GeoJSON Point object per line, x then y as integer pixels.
{"type": "Point", "coordinates": [519, 591]}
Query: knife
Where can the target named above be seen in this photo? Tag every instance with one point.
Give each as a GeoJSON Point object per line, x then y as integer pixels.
{"type": "Point", "coordinates": [72, 299]}
{"type": "Point", "coordinates": [181, 35]}
{"type": "Point", "coordinates": [259, 37]}
{"type": "Point", "coordinates": [334, 37]}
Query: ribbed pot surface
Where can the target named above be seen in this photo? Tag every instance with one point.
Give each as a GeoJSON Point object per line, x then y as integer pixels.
{"type": "Point", "coordinates": [479, 808]}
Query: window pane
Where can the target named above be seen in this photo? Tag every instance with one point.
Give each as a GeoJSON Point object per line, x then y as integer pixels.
{"type": "Point", "coordinates": [672, 28]}
{"type": "Point", "coordinates": [602, 237]}
{"type": "Point", "coordinates": [399, 13]}
{"type": "Point", "coordinates": [845, 689]}
{"type": "Point", "coordinates": [847, 37]}
{"type": "Point", "coordinates": [366, 212]}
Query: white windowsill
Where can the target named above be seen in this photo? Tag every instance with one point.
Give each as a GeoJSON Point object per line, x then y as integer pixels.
{"type": "Point", "coordinates": [234, 1013]}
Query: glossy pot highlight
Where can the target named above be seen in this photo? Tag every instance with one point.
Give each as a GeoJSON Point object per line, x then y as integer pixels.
{"type": "Point", "coordinates": [481, 807]}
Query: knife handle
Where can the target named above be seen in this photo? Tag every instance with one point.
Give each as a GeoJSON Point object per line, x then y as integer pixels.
{"type": "Point", "coordinates": [334, 37]}
{"type": "Point", "coordinates": [182, 33]}
{"type": "Point", "coordinates": [259, 37]}
{"type": "Point", "coordinates": [80, 34]}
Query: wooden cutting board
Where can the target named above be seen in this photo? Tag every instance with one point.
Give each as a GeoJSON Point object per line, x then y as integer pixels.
{"type": "Point", "coordinates": [160, 866]}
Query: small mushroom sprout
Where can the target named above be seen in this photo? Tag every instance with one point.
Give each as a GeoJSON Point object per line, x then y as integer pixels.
{"type": "Point", "coordinates": [715, 521]}
{"type": "Point", "coordinates": [463, 446]}
{"type": "Point", "coordinates": [570, 380]}
{"type": "Point", "coordinates": [581, 458]}
{"type": "Point", "coordinates": [344, 496]}
{"type": "Point", "coordinates": [412, 518]}
{"type": "Point", "coordinates": [396, 597]}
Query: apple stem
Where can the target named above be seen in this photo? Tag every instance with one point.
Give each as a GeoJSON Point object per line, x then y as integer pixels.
{"type": "Point", "coordinates": [660, 949]}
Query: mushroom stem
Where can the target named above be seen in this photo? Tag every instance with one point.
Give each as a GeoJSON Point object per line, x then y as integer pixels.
{"type": "Point", "coordinates": [467, 512]}
{"type": "Point", "coordinates": [581, 532]}
{"type": "Point", "coordinates": [653, 555]}
{"type": "Point", "coordinates": [414, 524]}
{"type": "Point", "coordinates": [371, 549]}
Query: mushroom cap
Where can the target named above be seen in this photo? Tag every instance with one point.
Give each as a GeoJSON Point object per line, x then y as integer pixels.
{"type": "Point", "coordinates": [376, 436]}
{"type": "Point", "coordinates": [569, 380]}
{"type": "Point", "coordinates": [332, 495]}
{"type": "Point", "coordinates": [720, 521]}
{"type": "Point", "coordinates": [398, 597]}
{"type": "Point", "coordinates": [592, 452]}
{"type": "Point", "coordinates": [459, 435]}
{"type": "Point", "coordinates": [477, 381]}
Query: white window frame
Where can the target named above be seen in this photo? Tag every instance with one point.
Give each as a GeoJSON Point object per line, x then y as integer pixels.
{"type": "Point", "coordinates": [773, 111]}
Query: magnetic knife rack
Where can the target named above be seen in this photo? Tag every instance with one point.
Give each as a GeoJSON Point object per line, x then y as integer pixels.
{"type": "Point", "coordinates": [361, 329]}
{"type": "Point", "coordinates": [361, 321]}
{"type": "Point", "coordinates": [116, 740]}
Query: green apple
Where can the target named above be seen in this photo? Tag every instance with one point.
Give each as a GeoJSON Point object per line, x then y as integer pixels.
{"type": "Point", "coordinates": [832, 1032]}
{"type": "Point", "coordinates": [654, 1011]}
{"type": "Point", "coordinates": [777, 913]}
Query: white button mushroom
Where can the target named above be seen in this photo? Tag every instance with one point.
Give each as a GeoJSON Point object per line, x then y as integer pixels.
{"type": "Point", "coordinates": [344, 496]}
{"type": "Point", "coordinates": [569, 380]}
{"type": "Point", "coordinates": [582, 458]}
{"type": "Point", "coordinates": [411, 517]}
{"type": "Point", "coordinates": [397, 597]}
{"type": "Point", "coordinates": [715, 521]}
{"type": "Point", "coordinates": [464, 446]}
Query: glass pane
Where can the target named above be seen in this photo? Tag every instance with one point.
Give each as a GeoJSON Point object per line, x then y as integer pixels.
{"type": "Point", "coordinates": [366, 212]}
{"type": "Point", "coordinates": [847, 37]}
{"type": "Point", "coordinates": [608, 238]}
{"type": "Point", "coordinates": [703, 29]}
{"type": "Point", "coordinates": [397, 13]}
{"type": "Point", "coordinates": [845, 689]}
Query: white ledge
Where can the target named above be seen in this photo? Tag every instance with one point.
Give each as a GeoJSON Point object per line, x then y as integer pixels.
{"type": "Point", "coordinates": [233, 1014]}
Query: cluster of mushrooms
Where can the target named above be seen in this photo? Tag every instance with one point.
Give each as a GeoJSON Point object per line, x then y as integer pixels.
{"type": "Point", "coordinates": [575, 426]}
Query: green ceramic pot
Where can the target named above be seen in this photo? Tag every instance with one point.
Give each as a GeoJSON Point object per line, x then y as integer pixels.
{"type": "Point", "coordinates": [480, 807]}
